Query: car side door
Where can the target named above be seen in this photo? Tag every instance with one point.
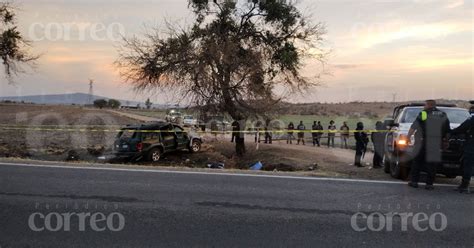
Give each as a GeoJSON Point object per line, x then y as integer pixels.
{"type": "Point", "coordinates": [181, 138]}
{"type": "Point", "coordinates": [168, 138]}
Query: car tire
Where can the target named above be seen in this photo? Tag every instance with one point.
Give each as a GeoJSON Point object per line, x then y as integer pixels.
{"type": "Point", "coordinates": [195, 146]}
{"type": "Point", "coordinates": [386, 164]}
{"type": "Point", "coordinates": [398, 169]}
{"type": "Point", "coordinates": [154, 155]}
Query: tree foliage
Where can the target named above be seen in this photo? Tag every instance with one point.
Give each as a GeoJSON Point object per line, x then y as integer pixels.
{"type": "Point", "coordinates": [114, 104]}
{"type": "Point", "coordinates": [233, 58]}
{"type": "Point", "coordinates": [100, 103]}
{"type": "Point", "coordinates": [14, 52]}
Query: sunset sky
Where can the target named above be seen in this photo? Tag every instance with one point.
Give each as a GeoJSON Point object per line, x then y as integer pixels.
{"type": "Point", "coordinates": [410, 49]}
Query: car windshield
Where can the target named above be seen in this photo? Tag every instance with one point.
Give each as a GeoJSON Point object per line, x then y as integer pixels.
{"type": "Point", "coordinates": [455, 115]}
{"type": "Point", "coordinates": [127, 134]}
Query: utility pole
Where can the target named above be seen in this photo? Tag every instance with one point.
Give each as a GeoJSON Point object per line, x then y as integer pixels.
{"type": "Point", "coordinates": [394, 97]}
{"type": "Point", "coordinates": [91, 92]}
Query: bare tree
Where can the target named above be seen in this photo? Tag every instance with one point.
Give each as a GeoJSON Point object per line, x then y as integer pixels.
{"type": "Point", "coordinates": [14, 47]}
{"type": "Point", "coordinates": [231, 58]}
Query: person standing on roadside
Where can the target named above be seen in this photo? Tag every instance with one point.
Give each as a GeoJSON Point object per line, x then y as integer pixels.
{"type": "Point", "coordinates": [331, 134]}
{"type": "Point", "coordinates": [235, 130]}
{"type": "Point", "coordinates": [467, 128]}
{"type": "Point", "coordinates": [268, 133]}
{"type": "Point", "coordinates": [344, 135]}
{"type": "Point", "coordinates": [315, 134]}
{"type": "Point", "coordinates": [362, 140]}
{"type": "Point", "coordinates": [430, 128]}
{"type": "Point", "coordinates": [378, 138]}
{"type": "Point", "coordinates": [320, 134]}
{"type": "Point", "coordinates": [290, 138]}
{"type": "Point", "coordinates": [301, 130]}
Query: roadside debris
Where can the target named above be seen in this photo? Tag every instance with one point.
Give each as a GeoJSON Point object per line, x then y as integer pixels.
{"type": "Point", "coordinates": [257, 166]}
{"type": "Point", "coordinates": [72, 156]}
{"type": "Point", "coordinates": [280, 167]}
{"type": "Point", "coordinates": [313, 167]}
{"type": "Point", "coordinates": [216, 166]}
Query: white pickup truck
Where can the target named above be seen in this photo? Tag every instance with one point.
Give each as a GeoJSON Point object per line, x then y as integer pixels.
{"type": "Point", "coordinates": [399, 150]}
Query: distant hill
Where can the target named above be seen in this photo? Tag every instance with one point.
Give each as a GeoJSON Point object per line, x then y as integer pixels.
{"type": "Point", "coordinates": [65, 99]}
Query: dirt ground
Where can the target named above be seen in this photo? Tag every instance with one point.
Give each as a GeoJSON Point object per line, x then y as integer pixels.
{"type": "Point", "coordinates": [278, 157]}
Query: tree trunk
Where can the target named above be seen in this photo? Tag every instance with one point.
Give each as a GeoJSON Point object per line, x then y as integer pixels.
{"type": "Point", "coordinates": [240, 140]}
{"type": "Point", "coordinates": [240, 146]}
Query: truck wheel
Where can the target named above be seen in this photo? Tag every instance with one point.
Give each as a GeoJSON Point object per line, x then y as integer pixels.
{"type": "Point", "coordinates": [195, 146]}
{"type": "Point", "coordinates": [154, 155]}
{"type": "Point", "coordinates": [398, 169]}
{"type": "Point", "coordinates": [386, 164]}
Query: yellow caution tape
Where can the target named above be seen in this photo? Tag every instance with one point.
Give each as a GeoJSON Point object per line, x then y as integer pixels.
{"type": "Point", "coordinates": [11, 128]}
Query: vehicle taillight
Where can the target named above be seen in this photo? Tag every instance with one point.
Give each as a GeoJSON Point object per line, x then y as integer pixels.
{"type": "Point", "coordinates": [140, 147]}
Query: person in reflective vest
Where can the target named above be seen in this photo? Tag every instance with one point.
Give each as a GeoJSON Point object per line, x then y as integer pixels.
{"type": "Point", "coordinates": [430, 128]}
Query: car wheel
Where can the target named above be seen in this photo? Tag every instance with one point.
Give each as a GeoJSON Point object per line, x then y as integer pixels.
{"type": "Point", "coordinates": [154, 155]}
{"type": "Point", "coordinates": [195, 146]}
{"type": "Point", "coordinates": [386, 164]}
{"type": "Point", "coordinates": [398, 169]}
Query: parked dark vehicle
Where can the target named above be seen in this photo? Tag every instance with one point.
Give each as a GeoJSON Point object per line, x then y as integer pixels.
{"type": "Point", "coordinates": [149, 142]}
{"type": "Point", "coordinates": [399, 152]}
{"type": "Point", "coordinates": [214, 123]}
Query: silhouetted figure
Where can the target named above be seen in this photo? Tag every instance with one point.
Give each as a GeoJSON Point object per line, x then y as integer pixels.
{"type": "Point", "coordinates": [301, 130]}
{"type": "Point", "coordinates": [235, 130]}
{"type": "Point", "coordinates": [291, 137]}
{"type": "Point", "coordinates": [378, 138]}
{"type": "Point", "coordinates": [268, 134]}
{"type": "Point", "coordinates": [315, 134]}
{"type": "Point", "coordinates": [345, 135]}
{"type": "Point", "coordinates": [331, 134]}
{"type": "Point", "coordinates": [362, 140]}
{"type": "Point", "coordinates": [430, 128]}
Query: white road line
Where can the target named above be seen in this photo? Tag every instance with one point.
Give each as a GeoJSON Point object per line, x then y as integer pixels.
{"type": "Point", "coordinates": [212, 174]}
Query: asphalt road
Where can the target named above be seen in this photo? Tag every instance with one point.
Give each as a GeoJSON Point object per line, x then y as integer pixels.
{"type": "Point", "coordinates": [176, 209]}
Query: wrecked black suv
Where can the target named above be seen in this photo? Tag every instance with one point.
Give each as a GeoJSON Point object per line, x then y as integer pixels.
{"type": "Point", "coordinates": [149, 142]}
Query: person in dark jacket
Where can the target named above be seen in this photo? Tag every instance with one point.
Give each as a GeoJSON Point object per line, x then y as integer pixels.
{"type": "Point", "coordinates": [301, 130]}
{"type": "Point", "coordinates": [362, 140]}
{"type": "Point", "coordinates": [290, 137]}
{"type": "Point", "coordinates": [268, 133]}
{"type": "Point", "coordinates": [430, 128]}
{"type": "Point", "coordinates": [315, 134]}
{"type": "Point", "coordinates": [332, 129]}
{"type": "Point", "coordinates": [467, 129]}
{"type": "Point", "coordinates": [235, 130]}
{"type": "Point", "coordinates": [378, 138]}
{"type": "Point", "coordinates": [320, 134]}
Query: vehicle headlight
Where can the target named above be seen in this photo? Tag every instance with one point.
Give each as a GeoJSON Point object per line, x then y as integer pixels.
{"type": "Point", "coordinates": [403, 140]}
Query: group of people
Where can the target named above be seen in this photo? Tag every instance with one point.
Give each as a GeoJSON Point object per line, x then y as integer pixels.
{"type": "Point", "coordinates": [317, 131]}
{"type": "Point", "coordinates": [430, 130]}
